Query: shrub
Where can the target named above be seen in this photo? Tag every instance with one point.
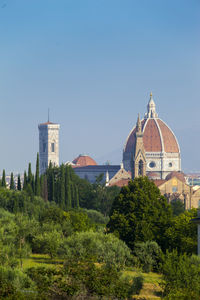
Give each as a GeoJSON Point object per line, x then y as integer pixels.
{"type": "Point", "coordinates": [181, 276]}
{"type": "Point", "coordinates": [12, 281]}
{"type": "Point", "coordinates": [96, 247]}
{"type": "Point", "coordinates": [149, 256]}
{"type": "Point", "coordinates": [137, 284]}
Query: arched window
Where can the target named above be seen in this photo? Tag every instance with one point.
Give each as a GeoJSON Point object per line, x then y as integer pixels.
{"type": "Point", "coordinates": [140, 168]}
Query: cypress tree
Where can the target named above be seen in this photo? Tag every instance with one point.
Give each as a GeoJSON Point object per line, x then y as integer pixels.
{"type": "Point", "coordinates": [19, 187]}
{"type": "Point", "coordinates": [73, 194]}
{"type": "Point", "coordinates": [44, 189]}
{"type": "Point", "coordinates": [76, 197]}
{"type": "Point", "coordinates": [52, 186]}
{"type": "Point", "coordinates": [3, 181]}
{"type": "Point", "coordinates": [37, 177]}
{"type": "Point", "coordinates": [62, 186]}
{"type": "Point", "coordinates": [25, 181]}
{"type": "Point", "coordinates": [33, 184]}
{"type": "Point", "coordinates": [12, 183]}
{"type": "Point", "coordinates": [50, 183]}
{"type": "Point", "coordinates": [29, 174]}
{"type": "Point", "coordinates": [68, 193]}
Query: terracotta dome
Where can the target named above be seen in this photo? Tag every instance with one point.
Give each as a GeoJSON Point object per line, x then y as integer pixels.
{"type": "Point", "coordinates": [179, 175]}
{"type": "Point", "coordinates": [160, 145]}
{"type": "Point", "coordinates": [84, 160]}
{"type": "Point", "coordinates": [157, 137]}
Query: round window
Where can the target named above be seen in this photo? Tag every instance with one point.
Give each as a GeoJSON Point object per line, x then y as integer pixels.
{"type": "Point", "coordinates": [170, 165]}
{"type": "Point", "coordinates": [152, 164]}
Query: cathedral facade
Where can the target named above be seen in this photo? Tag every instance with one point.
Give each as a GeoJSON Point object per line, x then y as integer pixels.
{"type": "Point", "coordinates": [151, 147]}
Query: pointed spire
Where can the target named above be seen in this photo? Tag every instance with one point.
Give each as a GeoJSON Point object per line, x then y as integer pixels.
{"type": "Point", "coordinates": [139, 127]}
{"type": "Point", "coordinates": [48, 115]}
{"type": "Point", "coordinates": [107, 178]}
{"type": "Point", "coordinates": [151, 109]}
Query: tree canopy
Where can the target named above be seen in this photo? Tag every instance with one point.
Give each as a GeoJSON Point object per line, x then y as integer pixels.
{"type": "Point", "coordinates": [140, 213]}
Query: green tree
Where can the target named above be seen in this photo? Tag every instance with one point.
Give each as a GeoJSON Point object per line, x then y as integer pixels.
{"type": "Point", "coordinates": [62, 186]}
{"type": "Point", "coordinates": [37, 177]}
{"type": "Point", "coordinates": [177, 207]}
{"type": "Point", "coordinates": [51, 182]}
{"type": "Point", "coordinates": [96, 247]}
{"type": "Point", "coordinates": [181, 276]}
{"type": "Point", "coordinates": [3, 180]}
{"type": "Point", "coordinates": [30, 181]}
{"type": "Point", "coordinates": [19, 187]}
{"type": "Point", "coordinates": [30, 175]}
{"type": "Point", "coordinates": [25, 181]}
{"type": "Point", "coordinates": [149, 256]}
{"type": "Point", "coordinates": [84, 281]}
{"type": "Point", "coordinates": [23, 230]}
{"type": "Point", "coordinates": [76, 204]}
{"type": "Point", "coordinates": [44, 187]}
{"type": "Point", "coordinates": [140, 213]}
{"type": "Point", "coordinates": [182, 234]}
{"type": "Point", "coordinates": [12, 282]}
{"type": "Point", "coordinates": [49, 242]}
{"type": "Point", "coordinates": [68, 192]}
{"type": "Point", "coordinates": [12, 183]}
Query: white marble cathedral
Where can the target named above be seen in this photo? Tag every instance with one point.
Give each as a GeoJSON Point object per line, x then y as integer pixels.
{"type": "Point", "coordinates": [151, 148]}
{"type": "Point", "coordinates": [48, 145]}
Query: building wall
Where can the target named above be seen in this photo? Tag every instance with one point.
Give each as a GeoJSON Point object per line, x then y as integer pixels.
{"type": "Point", "coordinates": [91, 172]}
{"type": "Point", "coordinates": [165, 163]}
{"type": "Point", "coordinates": [175, 188]}
{"type": "Point", "coordinates": [195, 199]}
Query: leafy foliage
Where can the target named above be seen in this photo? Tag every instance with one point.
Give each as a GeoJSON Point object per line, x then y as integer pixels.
{"type": "Point", "coordinates": [181, 276]}
{"type": "Point", "coordinates": [149, 256]}
{"type": "Point", "coordinates": [182, 235]}
{"type": "Point", "coordinates": [177, 207]}
{"type": "Point", "coordinates": [140, 214]}
{"type": "Point", "coordinates": [84, 281]}
{"type": "Point", "coordinates": [96, 247]}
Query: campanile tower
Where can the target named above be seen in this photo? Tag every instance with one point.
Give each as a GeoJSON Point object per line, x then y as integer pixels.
{"type": "Point", "coordinates": [48, 145]}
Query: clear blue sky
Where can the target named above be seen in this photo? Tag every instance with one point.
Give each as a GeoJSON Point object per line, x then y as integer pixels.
{"type": "Point", "coordinates": [94, 63]}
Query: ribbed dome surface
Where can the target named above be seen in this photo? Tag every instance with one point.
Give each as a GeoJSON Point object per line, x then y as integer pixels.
{"type": "Point", "coordinates": [157, 137]}
{"type": "Point", "coordinates": [84, 160]}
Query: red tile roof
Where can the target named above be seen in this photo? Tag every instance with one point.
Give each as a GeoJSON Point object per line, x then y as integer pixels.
{"type": "Point", "coordinates": [158, 182]}
{"type": "Point", "coordinates": [179, 175]}
{"type": "Point", "coordinates": [47, 123]}
{"type": "Point", "coordinates": [84, 160]}
{"type": "Point", "coordinates": [121, 182]}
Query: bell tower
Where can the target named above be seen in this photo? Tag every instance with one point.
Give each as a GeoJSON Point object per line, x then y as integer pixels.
{"type": "Point", "coordinates": [139, 159]}
{"type": "Point", "coordinates": [48, 145]}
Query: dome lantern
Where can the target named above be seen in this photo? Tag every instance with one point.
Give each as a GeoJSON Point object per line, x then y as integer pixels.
{"type": "Point", "coordinates": [151, 109]}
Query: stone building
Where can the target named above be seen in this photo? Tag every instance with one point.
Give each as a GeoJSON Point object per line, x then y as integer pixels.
{"type": "Point", "coordinates": [121, 178]}
{"type": "Point", "coordinates": [48, 145]}
{"type": "Point", "coordinates": [87, 168]}
{"type": "Point", "coordinates": [151, 147]}
{"type": "Point", "coordinates": [173, 187]}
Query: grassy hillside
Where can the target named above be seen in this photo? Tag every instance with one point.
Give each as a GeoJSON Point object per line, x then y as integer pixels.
{"type": "Point", "coordinates": [151, 289]}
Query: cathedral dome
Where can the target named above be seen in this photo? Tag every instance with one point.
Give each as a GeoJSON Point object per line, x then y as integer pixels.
{"type": "Point", "coordinates": [83, 161]}
{"type": "Point", "coordinates": [162, 152]}
{"type": "Point", "coordinates": [157, 137]}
